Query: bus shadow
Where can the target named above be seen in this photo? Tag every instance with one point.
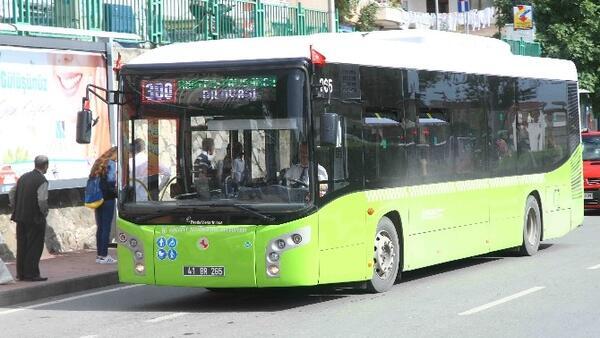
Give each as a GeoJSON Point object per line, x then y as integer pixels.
{"type": "Point", "coordinates": [150, 299]}
{"type": "Point", "coordinates": [245, 300]}
{"type": "Point", "coordinates": [464, 263]}
{"type": "Point", "coordinates": [446, 267]}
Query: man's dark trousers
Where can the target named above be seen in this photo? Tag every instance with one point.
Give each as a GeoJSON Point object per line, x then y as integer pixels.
{"type": "Point", "coordinates": [21, 246]}
{"type": "Point", "coordinates": [30, 244]}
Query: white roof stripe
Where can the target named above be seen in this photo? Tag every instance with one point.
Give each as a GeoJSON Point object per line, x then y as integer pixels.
{"type": "Point", "coordinates": [416, 49]}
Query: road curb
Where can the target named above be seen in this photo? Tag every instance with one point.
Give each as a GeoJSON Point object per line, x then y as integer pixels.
{"type": "Point", "coordinates": [51, 289]}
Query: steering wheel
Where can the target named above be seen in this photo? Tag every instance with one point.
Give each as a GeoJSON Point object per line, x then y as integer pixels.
{"type": "Point", "coordinates": [164, 188]}
{"type": "Point", "coordinates": [143, 186]}
{"type": "Point", "coordinates": [298, 182]}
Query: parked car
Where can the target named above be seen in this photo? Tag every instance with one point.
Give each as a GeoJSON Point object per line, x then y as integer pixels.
{"type": "Point", "coordinates": [591, 169]}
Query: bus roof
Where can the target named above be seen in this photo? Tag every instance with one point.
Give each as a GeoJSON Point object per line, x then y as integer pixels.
{"type": "Point", "coordinates": [413, 49]}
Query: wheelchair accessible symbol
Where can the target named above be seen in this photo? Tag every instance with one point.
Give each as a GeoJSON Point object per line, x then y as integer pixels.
{"type": "Point", "coordinates": [172, 242]}
{"type": "Point", "coordinates": [172, 254]}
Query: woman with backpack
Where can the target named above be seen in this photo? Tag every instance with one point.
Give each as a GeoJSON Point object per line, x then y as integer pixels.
{"type": "Point", "coordinates": [104, 171]}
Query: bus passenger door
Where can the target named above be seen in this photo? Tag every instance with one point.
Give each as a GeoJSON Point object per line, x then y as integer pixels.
{"type": "Point", "coordinates": [341, 216]}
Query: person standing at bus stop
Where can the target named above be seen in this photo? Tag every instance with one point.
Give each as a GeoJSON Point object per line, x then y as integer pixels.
{"type": "Point", "coordinates": [105, 167]}
{"type": "Point", "coordinates": [29, 200]}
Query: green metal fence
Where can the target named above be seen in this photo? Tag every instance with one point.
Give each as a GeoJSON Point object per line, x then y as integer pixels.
{"type": "Point", "coordinates": [166, 21]}
{"type": "Point", "coordinates": [520, 47]}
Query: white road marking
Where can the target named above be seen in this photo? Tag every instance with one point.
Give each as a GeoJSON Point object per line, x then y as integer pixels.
{"type": "Point", "coordinates": [594, 267]}
{"type": "Point", "coordinates": [90, 336]}
{"type": "Point", "coordinates": [167, 317]}
{"type": "Point", "coordinates": [68, 299]}
{"type": "Point", "coordinates": [500, 301]}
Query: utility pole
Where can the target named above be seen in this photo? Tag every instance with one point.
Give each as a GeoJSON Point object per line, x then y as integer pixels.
{"type": "Point", "coordinates": [331, 12]}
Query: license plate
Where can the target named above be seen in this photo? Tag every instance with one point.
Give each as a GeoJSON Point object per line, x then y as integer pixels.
{"type": "Point", "coordinates": [588, 196]}
{"type": "Point", "coordinates": [204, 271]}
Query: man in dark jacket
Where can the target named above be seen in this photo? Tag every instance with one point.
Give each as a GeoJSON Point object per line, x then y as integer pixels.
{"type": "Point", "coordinates": [29, 200]}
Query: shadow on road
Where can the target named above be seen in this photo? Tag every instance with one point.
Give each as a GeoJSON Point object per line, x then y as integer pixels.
{"type": "Point", "coordinates": [464, 263]}
{"type": "Point", "coordinates": [246, 300]}
{"type": "Point", "coordinates": [199, 300]}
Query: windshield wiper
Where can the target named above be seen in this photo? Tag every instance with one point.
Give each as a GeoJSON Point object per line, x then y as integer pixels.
{"type": "Point", "coordinates": [179, 210]}
{"type": "Point", "coordinates": [246, 209]}
{"type": "Point", "coordinates": [162, 212]}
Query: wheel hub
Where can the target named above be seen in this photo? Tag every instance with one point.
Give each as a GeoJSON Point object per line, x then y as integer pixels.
{"type": "Point", "coordinates": [532, 234]}
{"type": "Point", "coordinates": [384, 254]}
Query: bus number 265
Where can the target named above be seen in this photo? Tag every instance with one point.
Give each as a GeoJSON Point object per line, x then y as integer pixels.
{"type": "Point", "coordinates": [326, 85]}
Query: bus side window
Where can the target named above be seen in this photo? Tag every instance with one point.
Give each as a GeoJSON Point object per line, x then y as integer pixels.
{"type": "Point", "coordinates": [502, 147]}
{"type": "Point", "coordinates": [385, 148]}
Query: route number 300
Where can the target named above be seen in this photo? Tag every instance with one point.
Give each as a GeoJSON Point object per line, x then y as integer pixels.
{"type": "Point", "coordinates": [326, 85]}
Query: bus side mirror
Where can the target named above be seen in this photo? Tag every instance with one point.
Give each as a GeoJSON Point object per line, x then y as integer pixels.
{"type": "Point", "coordinates": [330, 123]}
{"type": "Point", "coordinates": [84, 127]}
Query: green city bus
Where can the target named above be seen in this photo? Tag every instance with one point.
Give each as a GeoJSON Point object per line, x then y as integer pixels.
{"type": "Point", "coordinates": [338, 158]}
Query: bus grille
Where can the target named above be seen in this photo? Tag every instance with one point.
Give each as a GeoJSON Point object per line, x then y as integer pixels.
{"type": "Point", "coordinates": [577, 176]}
{"type": "Point", "coordinates": [573, 116]}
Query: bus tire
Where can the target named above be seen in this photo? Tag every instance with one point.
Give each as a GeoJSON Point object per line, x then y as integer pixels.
{"type": "Point", "coordinates": [532, 227]}
{"type": "Point", "coordinates": [386, 257]}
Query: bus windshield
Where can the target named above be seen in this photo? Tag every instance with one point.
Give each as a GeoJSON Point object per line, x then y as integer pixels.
{"type": "Point", "coordinates": [591, 148]}
{"type": "Point", "coordinates": [216, 142]}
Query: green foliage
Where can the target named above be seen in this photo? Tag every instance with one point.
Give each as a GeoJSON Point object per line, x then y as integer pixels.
{"type": "Point", "coordinates": [567, 30]}
{"type": "Point", "coordinates": [366, 19]}
{"type": "Point", "coordinates": [346, 9]}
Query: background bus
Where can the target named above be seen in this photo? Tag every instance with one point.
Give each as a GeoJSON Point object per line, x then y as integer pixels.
{"type": "Point", "coordinates": [382, 159]}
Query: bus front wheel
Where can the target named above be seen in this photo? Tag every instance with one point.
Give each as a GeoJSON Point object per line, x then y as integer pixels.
{"type": "Point", "coordinates": [386, 257]}
{"type": "Point", "coordinates": [532, 227]}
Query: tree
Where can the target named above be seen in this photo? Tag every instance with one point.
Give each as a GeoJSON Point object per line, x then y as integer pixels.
{"type": "Point", "coordinates": [566, 30]}
{"type": "Point", "coordinates": [366, 18]}
{"type": "Point", "coordinates": [363, 18]}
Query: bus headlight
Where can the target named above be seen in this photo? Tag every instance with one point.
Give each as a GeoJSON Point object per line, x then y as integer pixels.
{"type": "Point", "coordinates": [283, 243]}
{"type": "Point", "coordinates": [140, 268]}
{"type": "Point", "coordinates": [280, 244]}
{"type": "Point", "coordinates": [135, 248]}
{"type": "Point", "coordinates": [274, 256]}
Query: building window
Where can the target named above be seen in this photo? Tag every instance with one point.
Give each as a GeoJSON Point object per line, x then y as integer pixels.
{"type": "Point", "coordinates": [442, 6]}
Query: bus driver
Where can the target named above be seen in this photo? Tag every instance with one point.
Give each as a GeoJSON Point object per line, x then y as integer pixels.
{"type": "Point", "coordinates": [298, 174]}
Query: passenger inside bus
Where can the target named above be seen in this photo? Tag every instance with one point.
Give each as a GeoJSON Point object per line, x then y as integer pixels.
{"type": "Point", "coordinates": [146, 175]}
{"type": "Point", "coordinates": [205, 174]}
{"type": "Point", "coordinates": [231, 170]}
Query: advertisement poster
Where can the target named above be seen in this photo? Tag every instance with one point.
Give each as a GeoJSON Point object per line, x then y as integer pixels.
{"type": "Point", "coordinates": [523, 17]}
{"type": "Point", "coordinates": [40, 94]}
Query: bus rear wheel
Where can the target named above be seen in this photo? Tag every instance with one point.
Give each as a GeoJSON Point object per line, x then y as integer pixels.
{"type": "Point", "coordinates": [386, 257]}
{"type": "Point", "coordinates": [532, 227]}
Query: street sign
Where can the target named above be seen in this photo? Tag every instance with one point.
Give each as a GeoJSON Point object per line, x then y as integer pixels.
{"type": "Point", "coordinates": [523, 17]}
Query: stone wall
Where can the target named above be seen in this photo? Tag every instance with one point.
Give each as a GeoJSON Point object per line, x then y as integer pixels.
{"type": "Point", "coordinates": [71, 226]}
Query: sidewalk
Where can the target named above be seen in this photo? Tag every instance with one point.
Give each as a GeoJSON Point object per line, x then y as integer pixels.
{"type": "Point", "coordinates": [67, 273]}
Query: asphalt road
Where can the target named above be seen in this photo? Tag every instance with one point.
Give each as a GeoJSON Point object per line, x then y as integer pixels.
{"type": "Point", "coordinates": [553, 294]}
